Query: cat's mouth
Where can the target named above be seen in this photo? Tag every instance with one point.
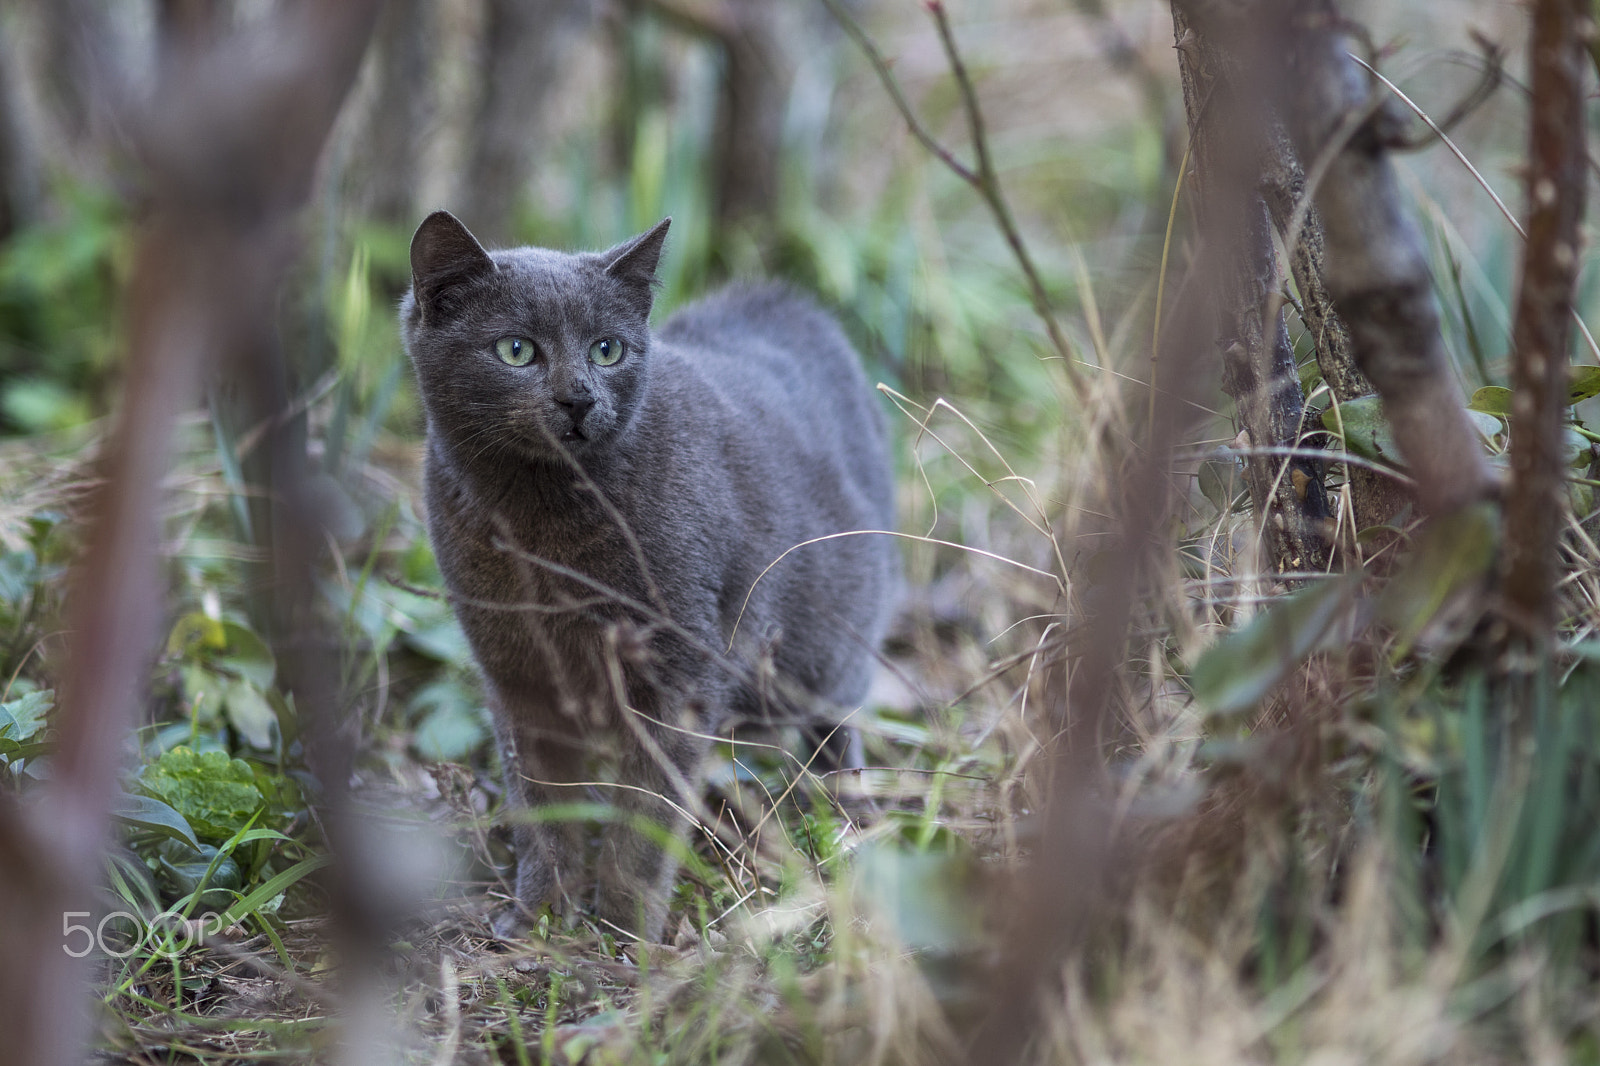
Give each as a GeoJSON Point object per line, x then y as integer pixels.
{"type": "Point", "coordinates": [573, 434]}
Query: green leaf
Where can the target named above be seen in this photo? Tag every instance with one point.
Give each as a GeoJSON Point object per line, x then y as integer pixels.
{"type": "Point", "coordinates": [1492, 400]}
{"type": "Point", "coordinates": [1220, 482]}
{"type": "Point", "coordinates": [184, 870]}
{"type": "Point", "coordinates": [1365, 431]}
{"type": "Point", "coordinates": [24, 718]}
{"type": "Point", "coordinates": [922, 895]}
{"type": "Point", "coordinates": [248, 655]}
{"type": "Point", "coordinates": [1488, 426]}
{"type": "Point", "coordinates": [1453, 552]}
{"type": "Point", "coordinates": [195, 633]}
{"type": "Point", "coordinates": [153, 816]}
{"type": "Point", "coordinates": [1583, 383]}
{"type": "Point", "coordinates": [452, 726]}
{"type": "Point", "coordinates": [1576, 449]}
{"type": "Point", "coordinates": [216, 794]}
{"type": "Point", "coordinates": [264, 893]}
{"type": "Point", "coordinates": [249, 712]}
{"type": "Point", "coordinates": [441, 639]}
{"type": "Point", "coordinates": [1234, 674]}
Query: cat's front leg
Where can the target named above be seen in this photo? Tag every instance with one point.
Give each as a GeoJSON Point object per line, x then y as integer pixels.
{"type": "Point", "coordinates": [638, 865]}
{"type": "Point", "coordinates": [539, 764]}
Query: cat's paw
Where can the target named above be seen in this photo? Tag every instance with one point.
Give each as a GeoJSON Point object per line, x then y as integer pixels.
{"type": "Point", "coordinates": [514, 922]}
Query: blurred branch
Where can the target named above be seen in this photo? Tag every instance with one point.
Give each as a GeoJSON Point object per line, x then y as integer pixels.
{"type": "Point", "coordinates": [230, 138]}
{"type": "Point", "coordinates": [711, 20]}
{"type": "Point", "coordinates": [983, 179]}
{"type": "Point", "coordinates": [1058, 900]}
{"type": "Point", "coordinates": [1535, 499]}
{"type": "Point", "coordinates": [523, 46]}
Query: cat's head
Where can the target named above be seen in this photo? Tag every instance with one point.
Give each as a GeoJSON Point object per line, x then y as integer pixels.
{"type": "Point", "coordinates": [528, 351]}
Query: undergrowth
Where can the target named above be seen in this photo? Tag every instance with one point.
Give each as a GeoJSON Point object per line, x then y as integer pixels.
{"type": "Point", "coordinates": [1340, 842]}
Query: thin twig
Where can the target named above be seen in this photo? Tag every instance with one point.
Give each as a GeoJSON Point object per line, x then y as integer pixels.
{"type": "Point", "coordinates": [1483, 183]}
{"type": "Point", "coordinates": [983, 179]}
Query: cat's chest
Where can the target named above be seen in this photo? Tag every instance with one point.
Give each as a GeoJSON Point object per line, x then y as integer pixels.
{"type": "Point", "coordinates": [521, 542]}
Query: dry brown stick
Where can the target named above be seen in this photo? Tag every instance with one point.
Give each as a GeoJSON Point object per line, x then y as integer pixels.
{"type": "Point", "coordinates": [1058, 896]}
{"type": "Point", "coordinates": [230, 139]}
{"type": "Point", "coordinates": [1535, 500]}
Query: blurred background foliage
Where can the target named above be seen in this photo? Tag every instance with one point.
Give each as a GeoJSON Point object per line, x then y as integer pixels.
{"type": "Point", "coordinates": [761, 131]}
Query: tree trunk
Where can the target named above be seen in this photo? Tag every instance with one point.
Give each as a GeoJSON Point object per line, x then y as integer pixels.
{"type": "Point", "coordinates": [18, 176]}
{"type": "Point", "coordinates": [1377, 498]}
{"type": "Point", "coordinates": [388, 163]}
{"type": "Point", "coordinates": [755, 91]}
{"type": "Point", "coordinates": [1377, 265]}
{"type": "Point", "coordinates": [1228, 150]}
{"type": "Point", "coordinates": [523, 45]}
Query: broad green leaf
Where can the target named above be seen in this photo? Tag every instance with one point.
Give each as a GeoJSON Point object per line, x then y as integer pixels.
{"type": "Point", "coordinates": [1489, 427]}
{"type": "Point", "coordinates": [154, 816]}
{"type": "Point", "coordinates": [216, 794]}
{"type": "Point", "coordinates": [1492, 400]}
{"type": "Point", "coordinates": [451, 724]}
{"type": "Point", "coordinates": [249, 712]}
{"type": "Point", "coordinates": [441, 639]}
{"type": "Point", "coordinates": [922, 895]}
{"type": "Point", "coordinates": [1583, 383]}
{"type": "Point", "coordinates": [248, 655]}
{"type": "Point", "coordinates": [196, 632]}
{"type": "Point", "coordinates": [1220, 482]}
{"type": "Point", "coordinates": [1576, 449]}
{"type": "Point", "coordinates": [184, 870]}
{"type": "Point", "coordinates": [1234, 674]}
{"type": "Point", "coordinates": [1365, 431]}
{"type": "Point", "coordinates": [1452, 553]}
{"type": "Point", "coordinates": [24, 718]}
{"type": "Point", "coordinates": [449, 733]}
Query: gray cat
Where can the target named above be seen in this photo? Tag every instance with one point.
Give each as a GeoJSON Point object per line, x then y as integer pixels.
{"type": "Point", "coordinates": [603, 500]}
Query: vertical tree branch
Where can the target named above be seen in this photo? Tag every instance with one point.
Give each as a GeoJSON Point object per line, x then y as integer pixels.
{"type": "Point", "coordinates": [229, 140]}
{"type": "Point", "coordinates": [1535, 502]}
{"type": "Point", "coordinates": [1377, 268]}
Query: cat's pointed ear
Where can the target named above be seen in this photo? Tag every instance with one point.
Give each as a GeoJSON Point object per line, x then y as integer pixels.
{"type": "Point", "coordinates": [444, 254]}
{"type": "Point", "coordinates": [635, 260]}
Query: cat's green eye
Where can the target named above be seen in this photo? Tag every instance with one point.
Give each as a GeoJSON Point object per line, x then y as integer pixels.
{"type": "Point", "coordinates": [514, 351]}
{"type": "Point", "coordinates": [605, 352]}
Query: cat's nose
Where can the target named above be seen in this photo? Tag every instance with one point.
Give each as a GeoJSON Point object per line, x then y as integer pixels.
{"type": "Point", "coordinates": [576, 406]}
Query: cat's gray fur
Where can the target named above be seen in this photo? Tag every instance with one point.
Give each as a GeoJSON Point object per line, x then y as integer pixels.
{"type": "Point", "coordinates": [599, 529]}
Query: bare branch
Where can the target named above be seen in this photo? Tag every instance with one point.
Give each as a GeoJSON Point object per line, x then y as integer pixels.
{"type": "Point", "coordinates": [1536, 501]}
{"type": "Point", "coordinates": [984, 180]}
